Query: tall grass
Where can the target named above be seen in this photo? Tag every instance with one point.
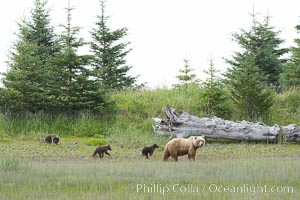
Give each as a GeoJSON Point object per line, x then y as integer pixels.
{"type": "Point", "coordinates": [131, 117]}
{"type": "Point", "coordinates": [12, 164]}
{"type": "Point", "coordinates": [149, 103]}
{"type": "Point", "coordinates": [39, 124]}
{"type": "Point", "coordinates": [184, 180]}
{"type": "Point", "coordinates": [286, 109]}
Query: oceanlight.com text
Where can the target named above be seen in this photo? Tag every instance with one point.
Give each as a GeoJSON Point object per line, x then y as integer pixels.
{"type": "Point", "coordinates": [249, 189]}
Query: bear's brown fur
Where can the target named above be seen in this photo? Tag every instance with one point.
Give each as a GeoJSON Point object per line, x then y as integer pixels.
{"type": "Point", "coordinates": [52, 138]}
{"type": "Point", "coordinates": [180, 147]}
{"type": "Point", "coordinates": [101, 150]}
{"type": "Point", "coordinates": [149, 150]}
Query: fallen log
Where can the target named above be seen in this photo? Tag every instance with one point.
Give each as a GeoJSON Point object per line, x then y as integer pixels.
{"type": "Point", "coordinates": [184, 125]}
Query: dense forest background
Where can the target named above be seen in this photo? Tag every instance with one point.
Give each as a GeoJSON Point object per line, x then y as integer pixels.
{"type": "Point", "coordinates": [51, 87]}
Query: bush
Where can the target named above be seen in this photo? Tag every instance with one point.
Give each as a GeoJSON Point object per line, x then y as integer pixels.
{"type": "Point", "coordinates": [96, 141]}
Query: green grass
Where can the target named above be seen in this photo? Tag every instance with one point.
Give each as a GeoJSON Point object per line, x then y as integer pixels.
{"type": "Point", "coordinates": [11, 164]}
{"type": "Point", "coordinates": [120, 179]}
{"type": "Point", "coordinates": [96, 141]}
{"type": "Point", "coordinates": [78, 148]}
{"type": "Point", "coordinates": [30, 169]}
{"type": "Point", "coordinates": [131, 116]}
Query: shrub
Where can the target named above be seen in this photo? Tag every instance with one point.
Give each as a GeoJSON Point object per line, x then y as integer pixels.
{"type": "Point", "coordinates": [96, 141]}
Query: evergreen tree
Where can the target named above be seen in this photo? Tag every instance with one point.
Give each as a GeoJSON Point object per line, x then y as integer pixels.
{"type": "Point", "coordinates": [30, 75]}
{"type": "Point", "coordinates": [263, 44]}
{"type": "Point", "coordinates": [109, 54]}
{"type": "Point", "coordinates": [75, 89]}
{"type": "Point", "coordinates": [250, 93]}
{"type": "Point", "coordinates": [20, 89]}
{"type": "Point", "coordinates": [214, 98]}
{"type": "Point", "coordinates": [41, 31]}
{"type": "Point", "coordinates": [291, 73]}
{"type": "Point", "coordinates": [186, 77]}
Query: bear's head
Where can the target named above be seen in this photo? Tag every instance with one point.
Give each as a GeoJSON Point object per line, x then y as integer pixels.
{"type": "Point", "coordinates": [198, 141]}
{"type": "Point", "coordinates": [108, 147]}
{"type": "Point", "coordinates": [55, 139]}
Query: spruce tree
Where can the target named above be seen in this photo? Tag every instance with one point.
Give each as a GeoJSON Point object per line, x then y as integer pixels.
{"type": "Point", "coordinates": [255, 70]}
{"type": "Point", "coordinates": [30, 76]}
{"type": "Point", "coordinates": [214, 98]}
{"type": "Point", "coordinates": [20, 82]}
{"type": "Point", "coordinates": [291, 73]}
{"type": "Point", "coordinates": [186, 76]}
{"type": "Point", "coordinates": [75, 89]}
{"type": "Point", "coordinates": [263, 44]}
{"type": "Point", "coordinates": [109, 54]}
{"type": "Point", "coordinates": [41, 31]}
{"type": "Point", "coordinates": [250, 93]}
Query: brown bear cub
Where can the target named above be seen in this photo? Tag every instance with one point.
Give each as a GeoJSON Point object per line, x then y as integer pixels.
{"type": "Point", "coordinates": [101, 150]}
{"type": "Point", "coordinates": [149, 150]}
{"type": "Point", "coordinates": [52, 138]}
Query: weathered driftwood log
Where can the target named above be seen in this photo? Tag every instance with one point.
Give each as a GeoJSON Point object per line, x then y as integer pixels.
{"type": "Point", "coordinates": [184, 124]}
{"type": "Point", "coordinates": [291, 133]}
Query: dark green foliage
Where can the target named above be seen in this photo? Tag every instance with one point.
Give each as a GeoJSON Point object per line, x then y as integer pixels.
{"type": "Point", "coordinates": [29, 81]}
{"type": "Point", "coordinates": [291, 73]}
{"type": "Point", "coordinates": [75, 90]}
{"type": "Point", "coordinates": [250, 93]}
{"type": "Point", "coordinates": [46, 73]}
{"type": "Point", "coordinates": [40, 30]}
{"type": "Point", "coordinates": [263, 44]}
{"type": "Point", "coordinates": [255, 69]}
{"type": "Point", "coordinates": [214, 97]}
{"type": "Point", "coordinates": [41, 34]}
{"type": "Point", "coordinates": [109, 54]}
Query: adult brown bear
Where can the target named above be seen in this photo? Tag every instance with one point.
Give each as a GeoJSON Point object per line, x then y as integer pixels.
{"type": "Point", "coordinates": [181, 146]}
{"type": "Point", "coordinates": [101, 150]}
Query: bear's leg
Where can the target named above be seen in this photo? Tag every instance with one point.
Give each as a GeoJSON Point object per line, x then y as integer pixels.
{"type": "Point", "coordinates": [175, 157]}
{"type": "Point", "coordinates": [166, 155]}
{"type": "Point", "coordinates": [192, 154]}
{"type": "Point", "coordinates": [147, 156]}
{"type": "Point", "coordinates": [101, 154]}
{"type": "Point", "coordinates": [151, 152]}
{"type": "Point", "coordinates": [191, 157]}
{"type": "Point", "coordinates": [107, 153]}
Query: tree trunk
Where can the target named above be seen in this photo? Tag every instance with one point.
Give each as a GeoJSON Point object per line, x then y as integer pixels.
{"type": "Point", "coordinates": [184, 124]}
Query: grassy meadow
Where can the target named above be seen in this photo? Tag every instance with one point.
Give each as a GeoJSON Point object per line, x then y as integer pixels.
{"type": "Point", "coordinates": [31, 169]}
{"type": "Point", "coordinates": [35, 170]}
{"type": "Point", "coordinates": [153, 180]}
